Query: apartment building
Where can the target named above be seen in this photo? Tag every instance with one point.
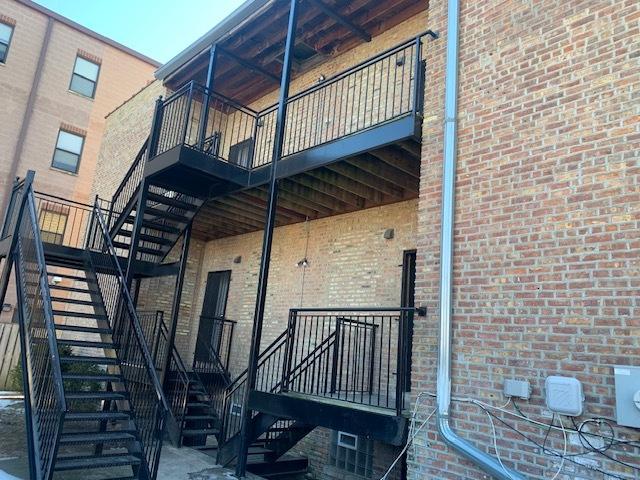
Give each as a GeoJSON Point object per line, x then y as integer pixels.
{"type": "Point", "coordinates": [58, 81]}
{"type": "Point", "coordinates": [346, 226]}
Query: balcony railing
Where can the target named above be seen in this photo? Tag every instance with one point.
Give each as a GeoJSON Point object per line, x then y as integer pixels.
{"type": "Point", "coordinates": [379, 90]}
{"type": "Point", "coordinates": [64, 222]}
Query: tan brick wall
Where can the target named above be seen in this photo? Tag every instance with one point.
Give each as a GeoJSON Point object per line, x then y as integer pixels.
{"type": "Point", "coordinates": [121, 75]}
{"type": "Point", "coordinates": [126, 129]}
{"type": "Point", "coordinates": [547, 239]}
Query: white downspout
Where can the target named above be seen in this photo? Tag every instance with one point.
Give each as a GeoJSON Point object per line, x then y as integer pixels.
{"type": "Point", "coordinates": [485, 461]}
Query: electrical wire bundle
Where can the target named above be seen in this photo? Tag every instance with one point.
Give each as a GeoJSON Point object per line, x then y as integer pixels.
{"type": "Point", "coordinates": [587, 438]}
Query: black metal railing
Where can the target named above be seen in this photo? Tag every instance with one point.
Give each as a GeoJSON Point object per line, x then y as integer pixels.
{"type": "Point", "coordinates": [64, 222]}
{"type": "Point", "coordinates": [154, 329]}
{"type": "Point", "coordinates": [268, 378]}
{"type": "Point", "coordinates": [215, 352]}
{"type": "Point", "coordinates": [378, 90]}
{"type": "Point", "coordinates": [146, 399]}
{"type": "Point", "coordinates": [42, 373]}
{"type": "Point", "coordinates": [14, 208]}
{"type": "Point", "coordinates": [176, 381]}
{"type": "Point", "coordinates": [357, 355]}
{"type": "Point", "coordinates": [127, 191]}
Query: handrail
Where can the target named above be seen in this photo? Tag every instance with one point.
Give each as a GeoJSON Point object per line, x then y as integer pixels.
{"type": "Point", "coordinates": [129, 305]}
{"type": "Point", "coordinates": [139, 156]}
{"type": "Point", "coordinates": [45, 403]}
{"type": "Point", "coordinates": [350, 70]}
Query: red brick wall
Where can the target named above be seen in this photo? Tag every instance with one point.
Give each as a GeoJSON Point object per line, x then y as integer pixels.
{"type": "Point", "coordinates": [546, 269]}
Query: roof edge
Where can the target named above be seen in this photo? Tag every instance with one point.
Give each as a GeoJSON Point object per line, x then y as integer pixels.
{"type": "Point", "coordinates": [82, 29]}
{"type": "Point", "coordinates": [223, 29]}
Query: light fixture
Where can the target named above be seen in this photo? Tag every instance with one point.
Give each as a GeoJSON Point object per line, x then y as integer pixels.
{"type": "Point", "coordinates": [56, 280]}
{"type": "Point", "coordinates": [321, 78]}
{"type": "Point", "coordinates": [238, 259]}
{"type": "Point", "coordinates": [389, 233]}
{"type": "Point", "coordinates": [6, 307]}
{"type": "Point", "coordinates": [303, 263]}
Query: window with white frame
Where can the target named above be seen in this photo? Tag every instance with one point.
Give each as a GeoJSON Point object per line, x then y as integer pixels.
{"type": "Point", "coordinates": [68, 151]}
{"type": "Point", "coordinates": [352, 453]}
{"type": "Point", "coordinates": [6, 32]}
{"type": "Point", "coordinates": [85, 77]}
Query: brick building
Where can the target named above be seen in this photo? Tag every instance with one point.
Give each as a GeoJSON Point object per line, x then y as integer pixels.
{"type": "Point", "coordinates": [360, 327]}
{"type": "Point", "coordinates": [58, 81]}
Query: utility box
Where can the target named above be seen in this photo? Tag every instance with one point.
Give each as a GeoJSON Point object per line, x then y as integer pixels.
{"type": "Point", "coordinates": [627, 395]}
{"type": "Point", "coordinates": [564, 395]}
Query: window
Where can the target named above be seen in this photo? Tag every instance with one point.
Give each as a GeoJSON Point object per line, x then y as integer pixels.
{"type": "Point", "coordinates": [6, 31]}
{"type": "Point", "coordinates": [53, 223]}
{"type": "Point", "coordinates": [352, 454]}
{"type": "Point", "coordinates": [68, 149]}
{"type": "Point", "coordinates": [85, 77]}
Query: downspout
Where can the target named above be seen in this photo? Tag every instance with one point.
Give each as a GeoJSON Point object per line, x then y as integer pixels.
{"type": "Point", "coordinates": [485, 461]}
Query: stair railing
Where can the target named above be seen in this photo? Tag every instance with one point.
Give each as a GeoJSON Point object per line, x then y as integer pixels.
{"type": "Point", "coordinates": [126, 193]}
{"type": "Point", "coordinates": [45, 405]}
{"type": "Point", "coordinates": [176, 380]}
{"type": "Point", "coordinates": [146, 399]}
{"type": "Point", "coordinates": [268, 378]}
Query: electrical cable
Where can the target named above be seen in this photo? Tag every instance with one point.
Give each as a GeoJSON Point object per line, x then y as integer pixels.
{"type": "Point", "coordinates": [564, 449]}
{"type": "Point", "coordinates": [495, 444]}
{"type": "Point", "coordinates": [412, 434]}
{"type": "Point", "coordinates": [552, 452]}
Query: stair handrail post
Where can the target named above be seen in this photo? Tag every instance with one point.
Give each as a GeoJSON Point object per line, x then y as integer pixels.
{"type": "Point", "coordinates": [187, 117]}
{"type": "Point", "coordinates": [9, 207]}
{"type": "Point", "coordinates": [208, 90]}
{"type": "Point", "coordinates": [177, 298]}
{"type": "Point", "coordinates": [417, 77]}
{"type": "Point", "coordinates": [156, 127]}
{"type": "Point", "coordinates": [285, 80]}
{"type": "Point", "coordinates": [288, 356]}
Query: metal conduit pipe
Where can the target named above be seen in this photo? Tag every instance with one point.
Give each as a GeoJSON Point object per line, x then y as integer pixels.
{"type": "Point", "coordinates": [486, 462]}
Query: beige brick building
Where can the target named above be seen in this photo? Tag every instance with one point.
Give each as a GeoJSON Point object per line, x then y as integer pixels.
{"type": "Point", "coordinates": [57, 76]}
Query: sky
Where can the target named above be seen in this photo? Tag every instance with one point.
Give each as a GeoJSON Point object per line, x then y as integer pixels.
{"type": "Point", "coordinates": [159, 29]}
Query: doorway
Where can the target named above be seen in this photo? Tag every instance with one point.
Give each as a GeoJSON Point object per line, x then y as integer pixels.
{"type": "Point", "coordinates": [214, 306]}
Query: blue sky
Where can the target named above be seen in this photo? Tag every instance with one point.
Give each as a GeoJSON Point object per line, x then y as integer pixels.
{"type": "Point", "coordinates": [157, 28]}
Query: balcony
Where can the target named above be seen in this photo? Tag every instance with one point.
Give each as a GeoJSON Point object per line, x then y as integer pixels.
{"type": "Point", "coordinates": [368, 116]}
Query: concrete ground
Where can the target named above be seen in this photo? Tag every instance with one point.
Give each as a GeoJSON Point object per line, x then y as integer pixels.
{"type": "Point", "coordinates": [175, 463]}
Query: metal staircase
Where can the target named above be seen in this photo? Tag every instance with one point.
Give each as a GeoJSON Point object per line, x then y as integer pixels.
{"type": "Point", "coordinates": [93, 401]}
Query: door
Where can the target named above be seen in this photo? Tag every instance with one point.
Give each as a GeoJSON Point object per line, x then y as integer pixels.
{"type": "Point", "coordinates": [213, 311]}
{"type": "Point", "coordinates": [407, 299]}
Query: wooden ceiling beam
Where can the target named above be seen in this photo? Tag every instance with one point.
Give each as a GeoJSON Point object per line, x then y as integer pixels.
{"type": "Point", "coordinates": [314, 196]}
{"type": "Point", "coordinates": [398, 160]}
{"type": "Point", "coordinates": [411, 147]}
{"type": "Point", "coordinates": [367, 179]}
{"type": "Point", "coordinates": [375, 167]}
{"type": "Point", "coordinates": [342, 20]}
{"type": "Point", "coordinates": [251, 66]}
{"type": "Point", "coordinates": [367, 193]}
{"type": "Point", "coordinates": [330, 189]}
{"type": "Point", "coordinates": [286, 202]}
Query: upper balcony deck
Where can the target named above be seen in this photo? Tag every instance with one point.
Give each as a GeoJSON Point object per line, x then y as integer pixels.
{"type": "Point", "coordinates": [373, 104]}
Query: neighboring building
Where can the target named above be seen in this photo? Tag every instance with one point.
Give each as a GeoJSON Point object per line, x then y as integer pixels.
{"type": "Point", "coordinates": [546, 239]}
{"type": "Point", "coordinates": [58, 81]}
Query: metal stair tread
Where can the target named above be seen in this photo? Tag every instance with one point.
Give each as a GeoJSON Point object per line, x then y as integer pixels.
{"type": "Point", "coordinates": [175, 217]}
{"type": "Point", "coordinates": [73, 301]}
{"type": "Point", "coordinates": [145, 237]}
{"type": "Point", "coordinates": [82, 437]}
{"type": "Point", "coordinates": [55, 286]}
{"type": "Point", "coordinates": [156, 197]}
{"type": "Point", "coordinates": [89, 359]}
{"type": "Point", "coordinates": [99, 395]}
{"type": "Point", "coordinates": [86, 343]}
{"type": "Point", "coordinates": [96, 416]}
{"type": "Point", "coordinates": [82, 329]}
{"type": "Point", "coordinates": [194, 418]}
{"type": "Point", "coordinates": [200, 431]}
{"type": "Point", "coordinates": [69, 277]}
{"type": "Point", "coordinates": [103, 377]}
{"type": "Point", "coordinates": [95, 461]}
{"type": "Point", "coordinates": [126, 246]}
{"type": "Point", "coordinates": [65, 313]}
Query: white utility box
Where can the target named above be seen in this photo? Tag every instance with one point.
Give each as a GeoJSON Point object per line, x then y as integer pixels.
{"type": "Point", "coordinates": [564, 395]}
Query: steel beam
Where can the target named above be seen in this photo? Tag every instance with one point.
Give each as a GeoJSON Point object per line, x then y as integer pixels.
{"type": "Point", "coordinates": [245, 440]}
